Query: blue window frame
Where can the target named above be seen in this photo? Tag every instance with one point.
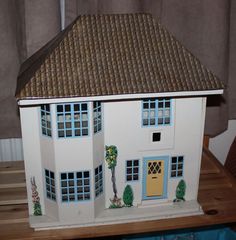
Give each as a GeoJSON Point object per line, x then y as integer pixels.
{"type": "Point", "coordinates": [46, 120]}
{"type": "Point", "coordinates": [50, 184]}
{"type": "Point", "coordinates": [98, 172]}
{"type": "Point", "coordinates": [177, 166]}
{"type": "Point", "coordinates": [97, 117]}
{"type": "Point", "coordinates": [132, 170]}
{"type": "Point", "coordinates": [72, 120]}
{"type": "Point", "coordinates": [156, 112]}
{"type": "Point", "coordinates": [75, 186]}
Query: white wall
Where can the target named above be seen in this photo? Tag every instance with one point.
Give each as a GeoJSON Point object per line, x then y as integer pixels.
{"type": "Point", "coordinates": [220, 144]}
{"type": "Point", "coordinates": [184, 137]}
{"type": "Point", "coordinates": [30, 125]}
{"type": "Point", "coordinates": [123, 128]}
{"type": "Point", "coordinates": [11, 149]}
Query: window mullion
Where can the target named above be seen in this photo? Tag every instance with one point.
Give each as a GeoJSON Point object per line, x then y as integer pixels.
{"type": "Point", "coordinates": [156, 112]}
{"type": "Point", "coordinates": [72, 120]}
{"type": "Point", "coordinates": [75, 187]}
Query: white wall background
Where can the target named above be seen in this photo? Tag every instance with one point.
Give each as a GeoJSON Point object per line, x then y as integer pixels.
{"type": "Point", "coordinates": [220, 144]}
{"type": "Point", "coordinates": [11, 149]}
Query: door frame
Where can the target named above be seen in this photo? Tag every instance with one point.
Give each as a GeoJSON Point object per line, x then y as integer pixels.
{"type": "Point", "coordinates": [165, 178]}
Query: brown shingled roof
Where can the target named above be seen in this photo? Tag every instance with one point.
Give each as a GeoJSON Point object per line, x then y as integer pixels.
{"type": "Point", "coordinates": [109, 55]}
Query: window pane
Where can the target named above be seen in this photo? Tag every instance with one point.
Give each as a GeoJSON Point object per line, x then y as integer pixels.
{"type": "Point", "coordinates": [68, 133]}
{"type": "Point", "coordinates": [84, 106]}
{"type": "Point", "coordinates": [86, 174]}
{"type": "Point", "coordinates": [85, 132]}
{"type": "Point", "coordinates": [59, 108]}
{"type": "Point", "coordinates": [76, 107]}
{"type": "Point", "coordinates": [145, 105]}
{"type": "Point", "coordinates": [77, 133]}
{"type": "Point", "coordinates": [67, 108]}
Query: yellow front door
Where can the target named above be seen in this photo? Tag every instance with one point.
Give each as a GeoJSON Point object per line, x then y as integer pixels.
{"type": "Point", "coordinates": [155, 178]}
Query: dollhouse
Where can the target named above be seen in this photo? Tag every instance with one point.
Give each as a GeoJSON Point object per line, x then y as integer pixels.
{"type": "Point", "coordinates": [112, 114]}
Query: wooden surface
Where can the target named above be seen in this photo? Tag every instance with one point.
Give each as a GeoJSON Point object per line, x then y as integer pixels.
{"type": "Point", "coordinates": [217, 195]}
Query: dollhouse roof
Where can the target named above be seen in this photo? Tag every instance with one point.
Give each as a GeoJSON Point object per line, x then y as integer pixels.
{"type": "Point", "coordinates": [115, 54]}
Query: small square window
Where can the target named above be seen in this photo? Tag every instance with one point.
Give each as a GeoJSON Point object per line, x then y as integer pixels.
{"type": "Point", "coordinates": [156, 137]}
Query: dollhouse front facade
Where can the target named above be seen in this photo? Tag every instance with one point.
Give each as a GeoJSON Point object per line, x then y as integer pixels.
{"type": "Point", "coordinates": [119, 80]}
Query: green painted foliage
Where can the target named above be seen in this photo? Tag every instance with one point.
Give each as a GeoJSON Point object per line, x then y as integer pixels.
{"type": "Point", "coordinates": [37, 209]}
{"type": "Point", "coordinates": [111, 156]}
{"type": "Point", "coordinates": [180, 191]}
{"type": "Point", "coordinates": [128, 196]}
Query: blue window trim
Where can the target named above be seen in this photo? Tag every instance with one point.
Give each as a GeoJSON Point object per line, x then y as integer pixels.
{"type": "Point", "coordinates": [130, 170]}
{"type": "Point", "coordinates": [97, 117]}
{"type": "Point", "coordinates": [70, 122]}
{"type": "Point", "coordinates": [50, 185]}
{"type": "Point", "coordinates": [177, 168]}
{"type": "Point", "coordinates": [75, 187]}
{"type": "Point", "coordinates": [98, 180]}
{"type": "Point", "coordinates": [166, 161]}
{"type": "Point", "coordinates": [46, 123]}
{"type": "Point", "coordinates": [152, 108]}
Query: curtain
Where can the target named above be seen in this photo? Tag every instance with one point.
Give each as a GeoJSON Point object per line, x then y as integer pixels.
{"type": "Point", "coordinates": [206, 27]}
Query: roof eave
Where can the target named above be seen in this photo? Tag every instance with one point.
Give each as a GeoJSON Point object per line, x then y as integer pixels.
{"type": "Point", "coordinates": [38, 101]}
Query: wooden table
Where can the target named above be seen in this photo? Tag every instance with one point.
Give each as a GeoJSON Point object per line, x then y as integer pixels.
{"type": "Point", "coordinates": [217, 196]}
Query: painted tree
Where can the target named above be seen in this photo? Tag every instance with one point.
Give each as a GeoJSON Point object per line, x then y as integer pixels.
{"type": "Point", "coordinates": [35, 198]}
{"type": "Point", "coordinates": [180, 191]}
{"type": "Point", "coordinates": [111, 159]}
{"type": "Point", "coordinates": [128, 196]}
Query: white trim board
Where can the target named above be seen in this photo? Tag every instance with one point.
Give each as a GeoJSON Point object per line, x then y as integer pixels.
{"type": "Point", "coordinates": [38, 101]}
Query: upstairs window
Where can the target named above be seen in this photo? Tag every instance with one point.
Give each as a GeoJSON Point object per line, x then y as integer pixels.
{"type": "Point", "coordinates": [156, 112]}
{"type": "Point", "coordinates": [97, 116]}
{"type": "Point", "coordinates": [46, 120]}
{"type": "Point", "coordinates": [72, 120]}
